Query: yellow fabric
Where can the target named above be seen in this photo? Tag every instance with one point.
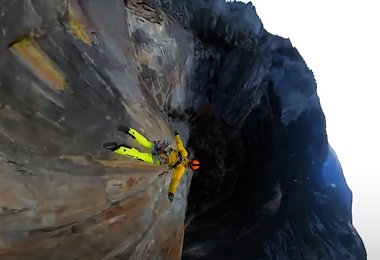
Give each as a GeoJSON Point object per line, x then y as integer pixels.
{"type": "Point", "coordinates": [132, 152]}
{"type": "Point", "coordinates": [181, 168]}
{"type": "Point", "coordinates": [180, 146]}
{"type": "Point", "coordinates": [176, 177]}
{"type": "Point", "coordinates": [140, 139]}
{"type": "Point", "coordinates": [173, 156]}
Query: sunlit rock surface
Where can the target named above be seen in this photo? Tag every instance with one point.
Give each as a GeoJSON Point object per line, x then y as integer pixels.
{"type": "Point", "coordinates": [244, 101]}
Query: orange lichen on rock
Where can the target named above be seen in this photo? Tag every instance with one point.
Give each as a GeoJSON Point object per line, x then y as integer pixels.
{"type": "Point", "coordinates": [39, 62]}
{"type": "Point", "coordinates": [77, 27]}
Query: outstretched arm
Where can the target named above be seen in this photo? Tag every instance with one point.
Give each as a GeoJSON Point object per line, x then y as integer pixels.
{"type": "Point", "coordinates": [176, 177]}
{"type": "Point", "coordinates": [180, 147]}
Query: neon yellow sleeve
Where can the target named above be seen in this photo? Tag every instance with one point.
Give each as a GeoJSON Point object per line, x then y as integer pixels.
{"type": "Point", "coordinates": [176, 177]}
{"type": "Point", "coordinates": [180, 146]}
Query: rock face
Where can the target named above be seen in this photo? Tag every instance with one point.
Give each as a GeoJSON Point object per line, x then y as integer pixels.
{"type": "Point", "coordinates": [71, 72]}
{"type": "Point", "coordinates": [270, 187]}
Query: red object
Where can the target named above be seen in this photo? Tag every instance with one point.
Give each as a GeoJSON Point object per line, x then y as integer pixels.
{"type": "Point", "coordinates": [194, 164]}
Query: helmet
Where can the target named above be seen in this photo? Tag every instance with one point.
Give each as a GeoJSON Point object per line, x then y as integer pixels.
{"type": "Point", "coordinates": [194, 164]}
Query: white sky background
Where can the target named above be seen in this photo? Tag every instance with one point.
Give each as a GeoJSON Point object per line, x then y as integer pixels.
{"type": "Point", "coordinates": [340, 42]}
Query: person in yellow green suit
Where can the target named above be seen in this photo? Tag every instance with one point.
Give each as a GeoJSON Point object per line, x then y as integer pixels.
{"type": "Point", "coordinates": [160, 152]}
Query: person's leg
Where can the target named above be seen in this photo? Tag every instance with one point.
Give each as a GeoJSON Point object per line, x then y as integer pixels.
{"type": "Point", "coordinates": [140, 139]}
{"type": "Point", "coordinates": [132, 152]}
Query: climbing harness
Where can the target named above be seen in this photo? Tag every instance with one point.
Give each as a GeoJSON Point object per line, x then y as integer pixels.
{"type": "Point", "coordinates": [178, 162]}
{"type": "Point", "coordinates": [161, 151]}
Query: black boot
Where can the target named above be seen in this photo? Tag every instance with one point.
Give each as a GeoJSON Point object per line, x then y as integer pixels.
{"type": "Point", "coordinates": [125, 129]}
{"type": "Point", "coordinates": [111, 146]}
